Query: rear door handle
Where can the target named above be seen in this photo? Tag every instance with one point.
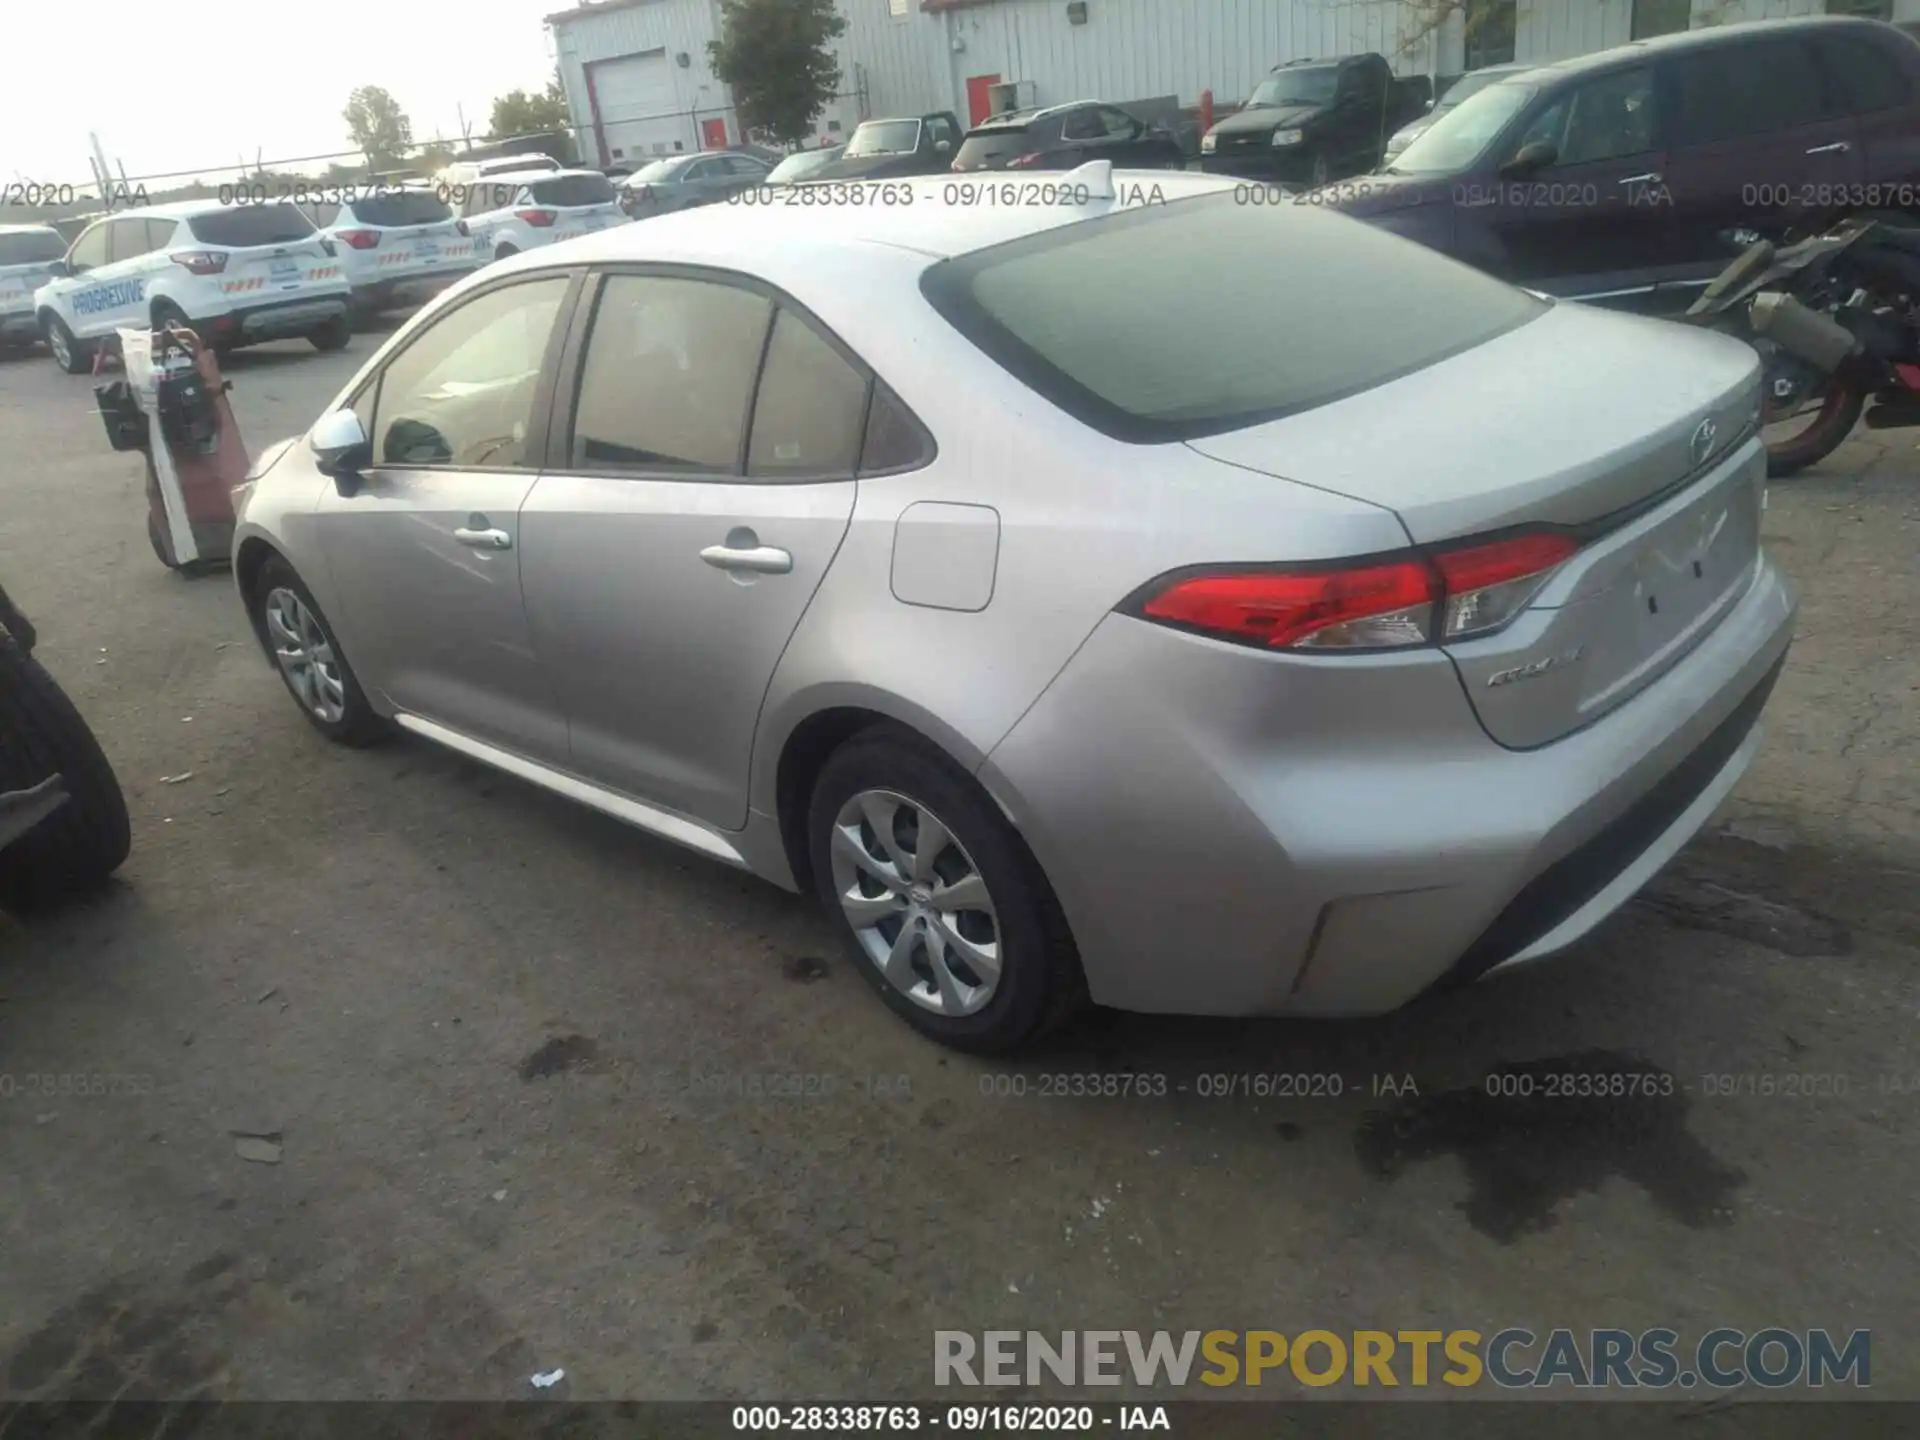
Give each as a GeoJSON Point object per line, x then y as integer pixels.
{"type": "Point", "coordinates": [1839, 147]}
{"type": "Point", "coordinates": [484, 539]}
{"type": "Point", "coordinates": [757, 560]}
{"type": "Point", "coordinates": [1652, 177]}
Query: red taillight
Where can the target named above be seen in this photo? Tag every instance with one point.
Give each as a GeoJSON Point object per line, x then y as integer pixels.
{"type": "Point", "coordinates": [539, 219]}
{"type": "Point", "coordinates": [359, 239]}
{"type": "Point", "coordinates": [1451, 594]}
{"type": "Point", "coordinates": [201, 262]}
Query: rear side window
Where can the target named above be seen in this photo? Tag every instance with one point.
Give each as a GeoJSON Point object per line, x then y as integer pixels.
{"type": "Point", "coordinates": [279, 223]}
{"type": "Point", "coordinates": [573, 190]}
{"type": "Point", "coordinates": [1169, 322]}
{"type": "Point", "coordinates": [811, 404]}
{"type": "Point", "coordinates": [1730, 91]}
{"type": "Point", "coordinates": [895, 440]}
{"type": "Point", "coordinates": [668, 376]}
{"type": "Point", "coordinates": [404, 207]}
{"type": "Point", "coordinates": [992, 147]}
{"type": "Point", "coordinates": [31, 247]}
{"type": "Point", "coordinates": [1864, 77]}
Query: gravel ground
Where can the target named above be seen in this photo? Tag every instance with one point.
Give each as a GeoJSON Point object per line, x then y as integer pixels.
{"type": "Point", "coordinates": [468, 1014]}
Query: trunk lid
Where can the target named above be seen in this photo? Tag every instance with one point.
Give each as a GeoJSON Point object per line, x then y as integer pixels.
{"type": "Point", "coordinates": [18, 282]}
{"type": "Point", "coordinates": [1636, 434]}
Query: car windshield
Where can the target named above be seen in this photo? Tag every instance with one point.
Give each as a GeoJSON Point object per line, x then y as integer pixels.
{"type": "Point", "coordinates": [794, 167]}
{"type": "Point", "coordinates": [1211, 335]}
{"type": "Point", "coordinates": [276, 224]}
{"type": "Point", "coordinates": [1459, 137]}
{"type": "Point", "coordinates": [573, 190]}
{"type": "Point", "coordinates": [884, 137]}
{"type": "Point", "coordinates": [31, 247]}
{"type": "Point", "coordinates": [1296, 87]}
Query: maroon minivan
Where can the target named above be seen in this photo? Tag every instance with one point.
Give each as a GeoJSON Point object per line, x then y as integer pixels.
{"type": "Point", "coordinates": [1628, 177]}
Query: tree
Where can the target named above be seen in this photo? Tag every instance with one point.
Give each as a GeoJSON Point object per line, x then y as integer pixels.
{"type": "Point", "coordinates": [519, 112]}
{"type": "Point", "coordinates": [775, 56]}
{"type": "Point", "coordinates": [433, 158]}
{"type": "Point", "coordinates": [380, 128]}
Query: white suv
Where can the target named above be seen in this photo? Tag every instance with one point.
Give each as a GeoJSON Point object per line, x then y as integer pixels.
{"type": "Point", "coordinates": [29, 257]}
{"type": "Point", "coordinates": [237, 273]}
{"type": "Point", "coordinates": [506, 214]}
{"type": "Point", "coordinates": [398, 246]}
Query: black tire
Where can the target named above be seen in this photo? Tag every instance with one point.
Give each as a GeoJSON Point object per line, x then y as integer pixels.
{"type": "Point", "coordinates": [332, 336]}
{"type": "Point", "coordinates": [358, 724]}
{"type": "Point", "coordinates": [70, 353]}
{"type": "Point", "coordinates": [501, 252]}
{"type": "Point", "coordinates": [85, 840]}
{"type": "Point", "coordinates": [1040, 982]}
{"type": "Point", "coordinates": [1320, 171]}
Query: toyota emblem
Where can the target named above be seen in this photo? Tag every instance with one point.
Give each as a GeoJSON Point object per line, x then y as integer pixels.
{"type": "Point", "coordinates": [1701, 446]}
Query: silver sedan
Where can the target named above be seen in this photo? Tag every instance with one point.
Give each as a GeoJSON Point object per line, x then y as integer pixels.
{"type": "Point", "coordinates": [1119, 592]}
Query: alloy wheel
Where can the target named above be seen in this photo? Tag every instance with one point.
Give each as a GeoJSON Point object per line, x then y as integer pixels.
{"type": "Point", "coordinates": [916, 902]}
{"type": "Point", "coordinates": [57, 343]}
{"type": "Point", "coordinates": [305, 655]}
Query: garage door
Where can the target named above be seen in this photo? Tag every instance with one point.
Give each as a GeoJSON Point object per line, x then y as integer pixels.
{"type": "Point", "coordinates": [637, 106]}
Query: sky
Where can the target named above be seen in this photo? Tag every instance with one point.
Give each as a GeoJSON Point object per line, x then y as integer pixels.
{"type": "Point", "coordinates": [174, 86]}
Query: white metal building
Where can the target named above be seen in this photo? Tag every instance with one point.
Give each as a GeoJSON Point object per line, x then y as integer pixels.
{"type": "Point", "coordinates": [638, 83]}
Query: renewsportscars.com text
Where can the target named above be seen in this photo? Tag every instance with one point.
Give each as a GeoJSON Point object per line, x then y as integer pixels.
{"type": "Point", "coordinates": [1512, 1358]}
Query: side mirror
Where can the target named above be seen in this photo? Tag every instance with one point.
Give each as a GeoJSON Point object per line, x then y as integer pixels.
{"type": "Point", "coordinates": [341, 449]}
{"type": "Point", "coordinates": [943, 146]}
{"type": "Point", "coordinates": [1532, 156]}
{"type": "Point", "coordinates": [58, 268]}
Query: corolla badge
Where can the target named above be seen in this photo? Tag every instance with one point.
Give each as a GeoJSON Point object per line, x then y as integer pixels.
{"type": "Point", "coordinates": [1535, 667]}
{"type": "Point", "coordinates": [1701, 446]}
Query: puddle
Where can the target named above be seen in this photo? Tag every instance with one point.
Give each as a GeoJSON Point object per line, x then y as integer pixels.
{"type": "Point", "coordinates": [1534, 1134]}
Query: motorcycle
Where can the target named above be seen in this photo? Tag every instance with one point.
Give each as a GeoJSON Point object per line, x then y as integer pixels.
{"type": "Point", "coordinates": [1836, 319]}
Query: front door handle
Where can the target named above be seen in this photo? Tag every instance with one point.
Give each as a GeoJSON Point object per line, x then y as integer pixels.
{"type": "Point", "coordinates": [755, 560]}
{"type": "Point", "coordinates": [1652, 177]}
{"type": "Point", "coordinates": [1839, 147]}
{"type": "Point", "coordinates": [488, 539]}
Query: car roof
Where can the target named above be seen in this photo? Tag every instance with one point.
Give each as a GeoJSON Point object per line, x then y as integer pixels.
{"type": "Point", "coordinates": [1019, 119]}
{"type": "Point", "coordinates": [28, 230]}
{"type": "Point", "coordinates": [531, 175]}
{"type": "Point", "coordinates": [1682, 41]}
{"type": "Point", "coordinates": [777, 240]}
{"type": "Point", "coordinates": [180, 209]}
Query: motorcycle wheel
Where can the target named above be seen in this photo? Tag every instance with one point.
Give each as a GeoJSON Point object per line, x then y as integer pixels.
{"type": "Point", "coordinates": [1808, 433]}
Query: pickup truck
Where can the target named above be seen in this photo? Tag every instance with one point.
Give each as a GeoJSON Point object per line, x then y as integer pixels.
{"type": "Point", "coordinates": [1311, 121]}
{"type": "Point", "coordinates": [882, 149]}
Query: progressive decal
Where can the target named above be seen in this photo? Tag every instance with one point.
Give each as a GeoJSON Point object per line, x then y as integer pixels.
{"type": "Point", "coordinates": [109, 297]}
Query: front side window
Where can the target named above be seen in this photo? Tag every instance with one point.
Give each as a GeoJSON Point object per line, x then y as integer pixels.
{"type": "Point", "coordinates": [1727, 92]}
{"type": "Point", "coordinates": [1081, 125]}
{"type": "Point", "coordinates": [462, 393]}
{"type": "Point", "coordinates": [90, 249]}
{"type": "Point", "coordinates": [1607, 118]}
{"type": "Point", "coordinates": [810, 407]}
{"type": "Point", "coordinates": [668, 376]}
{"type": "Point", "coordinates": [1215, 336]}
{"type": "Point", "coordinates": [1461, 134]}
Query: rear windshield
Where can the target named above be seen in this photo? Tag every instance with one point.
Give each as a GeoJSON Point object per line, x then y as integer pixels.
{"type": "Point", "coordinates": [407, 207]}
{"type": "Point", "coordinates": [805, 163]}
{"type": "Point", "coordinates": [573, 190]}
{"type": "Point", "coordinates": [31, 247]}
{"type": "Point", "coordinates": [1173, 321]}
{"type": "Point", "coordinates": [274, 224]}
{"type": "Point", "coordinates": [991, 147]}
{"type": "Point", "coordinates": [884, 137]}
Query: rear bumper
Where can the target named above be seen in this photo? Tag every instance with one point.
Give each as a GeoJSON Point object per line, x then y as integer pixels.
{"type": "Point", "coordinates": [19, 325]}
{"type": "Point", "coordinates": [1236, 834]}
{"type": "Point", "coordinates": [387, 292]}
{"type": "Point", "coordinates": [277, 320]}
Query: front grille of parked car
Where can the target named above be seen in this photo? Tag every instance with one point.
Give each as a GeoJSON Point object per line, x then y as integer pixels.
{"type": "Point", "coordinates": [1563, 887]}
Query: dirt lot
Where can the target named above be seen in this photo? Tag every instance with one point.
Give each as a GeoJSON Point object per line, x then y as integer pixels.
{"type": "Point", "coordinates": [470, 1014]}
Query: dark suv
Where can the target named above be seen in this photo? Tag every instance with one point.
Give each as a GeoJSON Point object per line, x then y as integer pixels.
{"type": "Point", "coordinates": [1629, 176]}
{"type": "Point", "coordinates": [1311, 121]}
{"type": "Point", "coordinates": [1061, 137]}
